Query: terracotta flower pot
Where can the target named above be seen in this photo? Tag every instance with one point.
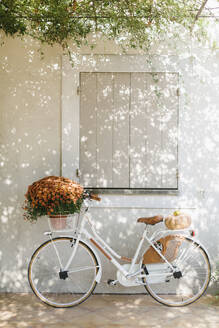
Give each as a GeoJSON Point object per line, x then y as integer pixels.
{"type": "Point", "coordinates": [58, 222]}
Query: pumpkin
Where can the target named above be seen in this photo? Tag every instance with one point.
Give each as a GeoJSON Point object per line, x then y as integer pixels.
{"type": "Point", "coordinates": [178, 221]}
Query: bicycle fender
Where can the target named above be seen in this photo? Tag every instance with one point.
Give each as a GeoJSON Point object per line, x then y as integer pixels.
{"type": "Point", "coordinates": [198, 242]}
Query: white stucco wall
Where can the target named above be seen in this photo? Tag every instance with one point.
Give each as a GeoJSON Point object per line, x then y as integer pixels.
{"type": "Point", "coordinates": [30, 146]}
{"type": "Point", "coordinates": [31, 107]}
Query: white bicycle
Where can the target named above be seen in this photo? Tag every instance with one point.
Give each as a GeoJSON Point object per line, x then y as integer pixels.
{"type": "Point", "coordinates": [174, 268]}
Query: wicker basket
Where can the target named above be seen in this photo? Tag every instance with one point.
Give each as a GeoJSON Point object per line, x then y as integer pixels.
{"type": "Point", "coordinates": [70, 222]}
{"type": "Point", "coordinates": [168, 246]}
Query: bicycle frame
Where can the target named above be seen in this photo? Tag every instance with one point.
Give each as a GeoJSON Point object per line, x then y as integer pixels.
{"type": "Point", "coordinates": [181, 264]}
{"type": "Point", "coordinates": [109, 253]}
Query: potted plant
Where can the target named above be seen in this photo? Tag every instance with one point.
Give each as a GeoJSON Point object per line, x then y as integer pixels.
{"type": "Point", "coordinates": [54, 196]}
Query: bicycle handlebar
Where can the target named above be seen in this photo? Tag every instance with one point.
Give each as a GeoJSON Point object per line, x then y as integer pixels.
{"type": "Point", "coordinates": [89, 195]}
{"type": "Point", "coordinates": [95, 197]}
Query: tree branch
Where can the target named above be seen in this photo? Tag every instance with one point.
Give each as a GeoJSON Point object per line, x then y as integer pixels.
{"type": "Point", "coordinates": [199, 13]}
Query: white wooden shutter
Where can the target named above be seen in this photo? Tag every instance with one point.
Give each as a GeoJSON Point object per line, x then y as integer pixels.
{"type": "Point", "coordinates": [153, 135]}
{"type": "Point", "coordinates": [88, 129]}
{"type": "Point", "coordinates": [128, 130]}
{"type": "Point", "coordinates": [121, 130]}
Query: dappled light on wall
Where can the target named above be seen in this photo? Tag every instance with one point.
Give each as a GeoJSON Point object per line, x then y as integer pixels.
{"type": "Point", "coordinates": [134, 100]}
{"type": "Point", "coordinates": [29, 146]}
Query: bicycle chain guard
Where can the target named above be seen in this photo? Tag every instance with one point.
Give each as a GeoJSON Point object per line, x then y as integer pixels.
{"type": "Point", "coordinates": [132, 281]}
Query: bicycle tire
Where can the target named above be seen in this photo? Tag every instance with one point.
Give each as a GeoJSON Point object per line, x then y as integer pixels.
{"type": "Point", "coordinates": [44, 273]}
{"type": "Point", "coordinates": [195, 268]}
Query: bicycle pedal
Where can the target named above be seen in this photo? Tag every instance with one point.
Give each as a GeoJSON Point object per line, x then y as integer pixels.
{"type": "Point", "coordinates": [111, 282]}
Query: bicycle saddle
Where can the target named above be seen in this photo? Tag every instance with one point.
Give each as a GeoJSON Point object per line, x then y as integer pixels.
{"type": "Point", "coordinates": [151, 220]}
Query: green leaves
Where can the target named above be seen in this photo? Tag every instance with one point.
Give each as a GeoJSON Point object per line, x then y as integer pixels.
{"type": "Point", "coordinates": [10, 21]}
{"type": "Point", "coordinates": [136, 22]}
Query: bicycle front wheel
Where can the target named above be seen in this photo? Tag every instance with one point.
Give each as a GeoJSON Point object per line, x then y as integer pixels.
{"type": "Point", "coordinates": [189, 284]}
{"type": "Point", "coordinates": [63, 289]}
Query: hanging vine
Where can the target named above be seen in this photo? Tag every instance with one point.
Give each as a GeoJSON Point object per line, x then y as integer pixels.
{"type": "Point", "coordinates": [132, 23]}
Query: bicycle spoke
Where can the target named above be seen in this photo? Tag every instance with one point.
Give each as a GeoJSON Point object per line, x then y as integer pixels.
{"type": "Point", "coordinates": [83, 269]}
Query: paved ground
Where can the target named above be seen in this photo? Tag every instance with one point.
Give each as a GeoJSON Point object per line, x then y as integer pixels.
{"type": "Point", "coordinates": [106, 311]}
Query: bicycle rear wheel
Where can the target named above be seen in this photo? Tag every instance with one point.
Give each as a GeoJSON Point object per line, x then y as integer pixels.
{"type": "Point", "coordinates": [66, 289]}
{"type": "Point", "coordinates": [193, 263]}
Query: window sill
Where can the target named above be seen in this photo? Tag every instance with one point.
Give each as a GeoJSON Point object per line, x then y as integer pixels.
{"type": "Point", "coordinates": [113, 191]}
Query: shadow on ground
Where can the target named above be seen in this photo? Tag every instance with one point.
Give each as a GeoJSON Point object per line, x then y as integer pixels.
{"type": "Point", "coordinates": [107, 311]}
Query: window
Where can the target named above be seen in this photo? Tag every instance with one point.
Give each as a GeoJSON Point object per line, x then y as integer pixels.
{"type": "Point", "coordinates": [128, 130]}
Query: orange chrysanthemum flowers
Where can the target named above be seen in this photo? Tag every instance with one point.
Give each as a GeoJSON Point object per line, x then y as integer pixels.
{"type": "Point", "coordinates": [56, 195]}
